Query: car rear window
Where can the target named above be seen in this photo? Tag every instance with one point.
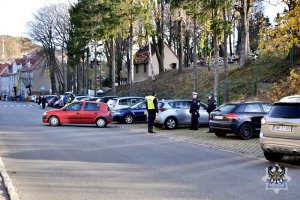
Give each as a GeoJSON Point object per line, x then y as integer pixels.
{"type": "Point", "coordinates": [227, 108]}
{"type": "Point", "coordinates": [284, 110]}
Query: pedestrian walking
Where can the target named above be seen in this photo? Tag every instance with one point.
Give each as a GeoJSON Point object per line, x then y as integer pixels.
{"type": "Point", "coordinates": [152, 109]}
{"type": "Point", "coordinates": [211, 105]}
{"type": "Point", "coordinates": [194, 110]}
{"type": "Point", "coordinates": [44, 101]}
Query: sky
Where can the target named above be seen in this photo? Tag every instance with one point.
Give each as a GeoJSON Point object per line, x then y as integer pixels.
{"type": "Point", "coordinates": [14, 14]}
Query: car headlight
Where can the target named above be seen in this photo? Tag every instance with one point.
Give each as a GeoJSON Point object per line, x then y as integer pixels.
{"type": "Point", "coordinates": [45, 113]}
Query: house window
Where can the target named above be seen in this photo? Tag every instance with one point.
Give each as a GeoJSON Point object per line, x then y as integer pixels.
{"type": "Point", "coordinates": [145, 68]}
{"type": "Point", "coordinates": [137, 69]}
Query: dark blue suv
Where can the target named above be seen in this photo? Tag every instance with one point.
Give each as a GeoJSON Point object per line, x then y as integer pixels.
{"type": "Point", "coordinates": [131, 114]}
{"type": "Point", "coordinates": [242, 119]}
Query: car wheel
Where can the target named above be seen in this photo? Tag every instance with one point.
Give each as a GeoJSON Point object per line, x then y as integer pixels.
{"type": "Point", "coordinates": [53, 121]}
{"type": "Point", "coordinates": [101, 122]}
{"type": "Point", "coordinates": [274, 157]}
{"type": "Point", "coordinates": [246, 132]}
{"type": "Point", "coordinates": [220, 134]}
{"type": "Point", "coordinates": [171, 123]}
{"type": "Point", "coordinates": [128, 119]}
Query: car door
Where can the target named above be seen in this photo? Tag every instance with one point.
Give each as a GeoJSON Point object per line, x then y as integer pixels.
{"type": "Point", "coordinates": [72, 113]}
{"type": "Point", "coordinates": [254, 112]}
{"type": "Point", "coordinates": [182, 111]}
{"type": "Point", "coordinates": [90, 112]}
{"type": "Point", "coordinates": [204, 118]}
{"type": "Point", "coordinates": [139, 112]}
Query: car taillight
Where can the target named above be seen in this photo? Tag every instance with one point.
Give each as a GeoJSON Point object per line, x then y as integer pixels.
{"type": "Point", "coordinates": [263, 121]}
{"type": "Point", "coordinates": [162, 109]}
{"type": "Point", "coordinates": [231, 116]}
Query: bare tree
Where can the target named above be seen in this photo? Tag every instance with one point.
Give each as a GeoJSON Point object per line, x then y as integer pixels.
{"type": "Point", "coordinates": [49, 28]}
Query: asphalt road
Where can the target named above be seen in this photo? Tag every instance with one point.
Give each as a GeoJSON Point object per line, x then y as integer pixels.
{"type": "Point", "coordinates": [75, 162]}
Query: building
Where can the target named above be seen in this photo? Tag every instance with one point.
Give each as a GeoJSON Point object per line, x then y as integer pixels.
{"type": "Point", "coordinates": [28, 75]}
{"type": "Point", "coordinates": [142, 70]}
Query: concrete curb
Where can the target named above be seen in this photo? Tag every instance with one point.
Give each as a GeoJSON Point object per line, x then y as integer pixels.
{"type": "Point", "coordinates": [12, 193]}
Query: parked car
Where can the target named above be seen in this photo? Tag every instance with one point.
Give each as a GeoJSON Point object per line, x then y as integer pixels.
{"type": "Point", "coordinates": [176, 112]}
{"type": "Point", "coordinates": [82, 112]}
{"type": "Point", "coordinates": [49, 98]}
{"type": "Point", "coordinates": [242, 119]}
{"type": "Point", "coordinates": [280, 130]}
{"type": "Point", "coordinates": [123, 102]}
{"type": "Point", "coordinates": [105, 99]}
{"type": "Point", "coordinates": [131, 114]}
{"type": "Point", "coordinates": [53, 100]}
{"type": "Point", "coordinates": [81, 98]}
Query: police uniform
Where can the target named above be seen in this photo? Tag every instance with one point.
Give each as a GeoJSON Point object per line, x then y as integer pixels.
{"type": "Point", "coordinates": [194, 110]}
{"type": "Point", "coordinates": [152, 109]}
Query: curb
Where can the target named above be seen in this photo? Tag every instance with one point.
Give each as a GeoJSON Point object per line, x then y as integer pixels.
{"type": "Point", "coordinates": [12, 193]}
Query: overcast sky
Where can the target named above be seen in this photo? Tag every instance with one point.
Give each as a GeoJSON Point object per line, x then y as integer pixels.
{"type": "Point", "coordinates": [15, 13]}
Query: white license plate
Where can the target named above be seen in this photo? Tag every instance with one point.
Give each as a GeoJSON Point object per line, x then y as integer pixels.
{"type": "Point", "coordinates": [282, 128]}
{"type": "Point", "coordinates": [218, 117]}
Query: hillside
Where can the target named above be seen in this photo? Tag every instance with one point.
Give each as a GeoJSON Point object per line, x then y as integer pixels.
{"type": "Point", "coordinates": [244, 84]}
{"type": "Point", "coordinates": [14, 47]}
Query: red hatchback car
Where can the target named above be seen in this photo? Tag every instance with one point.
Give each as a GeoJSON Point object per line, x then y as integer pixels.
{"type": "Point", "coordinates": [82, 112]}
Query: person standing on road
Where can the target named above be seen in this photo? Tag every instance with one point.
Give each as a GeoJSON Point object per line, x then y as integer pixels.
{"type": "Point", "coordinates": [211, 105]}
{"type": "Point", "coordinates": [152, 109]}
{"type": "Point", "coordinates": [194, 110]}
{"type": "Point", "coordinates": [44, 101]}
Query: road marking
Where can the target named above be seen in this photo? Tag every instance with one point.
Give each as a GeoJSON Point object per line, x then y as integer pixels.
{"type": "Point", "coordinates": [17, 105]}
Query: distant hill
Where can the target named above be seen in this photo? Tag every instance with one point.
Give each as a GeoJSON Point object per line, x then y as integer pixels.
{"type": "Point", "coordinates": [15, 47]}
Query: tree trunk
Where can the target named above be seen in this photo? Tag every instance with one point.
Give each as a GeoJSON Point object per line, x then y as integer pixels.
{"type": "Point", "coordinates": [113, 66]}
{"type": "Point", "coordinates": [216, 59]}
{"type": "Point", "coordinates": [194, 56]}
{"type": "Point", "coordinates": [159, 45]}
{"type": "Point", "coordinates": [87, 72]}
{"type": "Point", "coordinates": [226, 93]}
{"type": "Point", "coordinates": [245, 43]}
{"type": "Point", "coordinates": [180, 50]}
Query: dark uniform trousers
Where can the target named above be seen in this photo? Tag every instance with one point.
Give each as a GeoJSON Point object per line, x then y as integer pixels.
{"type": "Point", "coordinates": [151, 118]}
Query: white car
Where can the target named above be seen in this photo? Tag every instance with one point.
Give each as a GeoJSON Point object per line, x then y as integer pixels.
{"type": "Point", "coordinates": [123, 102]}
{"type": "Point", "coordinates": [81, 98]}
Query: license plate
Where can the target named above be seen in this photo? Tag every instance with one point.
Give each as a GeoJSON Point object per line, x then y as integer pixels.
{"type": "Point", "coordinates": [283, 128]}
{"type": "Point", "coordinates": [218, 117]}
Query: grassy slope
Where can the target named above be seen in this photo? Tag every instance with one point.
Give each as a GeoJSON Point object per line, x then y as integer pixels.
{"type": "Point", "coordinates": [171, 84]}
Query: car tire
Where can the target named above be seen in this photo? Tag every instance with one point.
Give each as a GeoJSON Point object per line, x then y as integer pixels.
{"type": "Point", "coordinates": [53, 121]}
{"type": "Point", "coordinates": [220, 134]}
{"type": "Point", "coordinates": [274, 157]}
{"type": "Point", "coordinates": [101, 122]}
{"type": "Point", "coordinates": [246, 131]}
{"type": "Point", "coordinates": [171, 123]}
{"type": "Point", "coordinates": [128, 119]}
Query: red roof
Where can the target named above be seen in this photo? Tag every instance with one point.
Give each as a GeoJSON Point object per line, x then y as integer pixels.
{"type": "Point", "coordinates": [4, 68]}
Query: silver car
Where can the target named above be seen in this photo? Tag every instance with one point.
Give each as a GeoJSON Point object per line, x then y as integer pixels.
{"type": "Point", "coordinates": [280, 129]}
{"type": "Point", "coordinates": [174, 113]}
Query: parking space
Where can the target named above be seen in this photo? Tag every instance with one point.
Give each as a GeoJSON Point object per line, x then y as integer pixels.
{"type": "Point", "coordinates": [229, 143]}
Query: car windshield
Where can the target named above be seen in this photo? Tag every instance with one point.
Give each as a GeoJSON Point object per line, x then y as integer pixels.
{"type": "Point", "coordinates": [284, 110]}
{"type": "Point", "coordinates": [227, 108]}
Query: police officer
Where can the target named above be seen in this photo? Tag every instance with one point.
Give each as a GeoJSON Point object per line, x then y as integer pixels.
{"type": "Point", "coordinates": [152, 109]}
{"type": "Point", "coordinates": [211, 105]}
{"type": "Point", "coordinates": [194, 110]}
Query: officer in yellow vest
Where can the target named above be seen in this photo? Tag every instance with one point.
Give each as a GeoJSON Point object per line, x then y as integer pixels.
{"type": "Point", "coordinates": [152, 109]}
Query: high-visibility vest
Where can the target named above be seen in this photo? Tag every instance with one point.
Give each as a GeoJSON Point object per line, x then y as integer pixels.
{"type": "Point", "coordinates": [150, 103]}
